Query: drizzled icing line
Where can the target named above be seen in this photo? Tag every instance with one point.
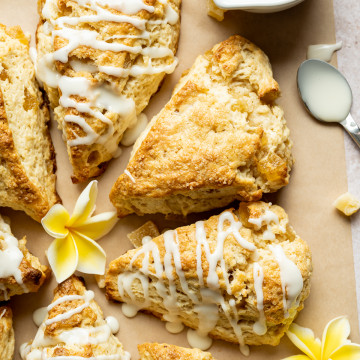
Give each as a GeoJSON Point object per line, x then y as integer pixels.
{"type": "Point", "coordinates": [87, 297]}
{"type": "Point", "coordinates": [63, 27]}
{"type": "Point", "coordinates": [75, 336]}
{"type": "Point", "coordinates": [10, 260]}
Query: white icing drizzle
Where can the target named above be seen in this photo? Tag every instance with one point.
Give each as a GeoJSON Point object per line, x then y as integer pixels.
{"type": "Point", "coordinates": [291, 279]}
{"type": "Point", "coordinates": [75, 336]}
{"type": "Point", "coordinates": [24, 349]}
{"type": "Point", "coordinates": [174, 327]}
{"type": "Point", "coordinates": [39, 315]}
{"type": "Point", "coordinates": [259, 327]}
{"type": "Point", "coordinates": [2, 314]}
{"type": "Point", "coordinates": [87, 297]}
{"type": "Point", "coordinates": [127, 172]}
{"type": "Point", "coordinates": [131, 134]}
{"type": "Point", "coordinates": [107, 99]}
{"type": "Point", "coordinates": [113, 324]}
{"type": "Point", "coordinates": [129, 310]}
{"type": "Point", "coordinates": [268, 217]}
{"type": "Point", "coordinates": [323, 51]}
{"type": "Point", "coordinates": [10, 260]}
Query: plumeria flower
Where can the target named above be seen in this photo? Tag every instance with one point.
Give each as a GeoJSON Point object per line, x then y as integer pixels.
{"type": "Point", "coordinates": [74, 247]}
{"type": "Point", "coordinates": [333, 346]}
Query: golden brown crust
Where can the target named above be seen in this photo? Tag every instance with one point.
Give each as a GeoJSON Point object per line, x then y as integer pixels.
{"type": "Point", "coordinates": [155, 351]}
{"type": "Point", "coordinates": [239, 264]}
{"type": "Point", "coordinates": [90, 319]}
{"type": "Point", "coordinates": [22, 186]}
{"type": "Point", "coordinates": [7, 339]}
{"type": "Point", "coordinates": [219, 138]}
{"type": "Point", "coordinates": [91, 160]}
{"type": "Point", "coordinates": [33, 273]}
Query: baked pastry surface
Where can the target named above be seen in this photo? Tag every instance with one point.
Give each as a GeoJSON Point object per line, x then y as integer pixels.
{"type": "Point", "coordinates": [20, 272]}
{"type": "Point", "coordinates": [219, 138]}
{"type": "Point", "coordinates": [246, 270]}
{"type": "Point", "coordinates": [112, 56]}
{"type": "Point", "coordinates": [27, 157]}
{"type": "Point", "coordinates": [74, 327]}
{"type": "Point", "coordinates": [154, 351]}
{"type": "Point", "coordinates": [7, 338]}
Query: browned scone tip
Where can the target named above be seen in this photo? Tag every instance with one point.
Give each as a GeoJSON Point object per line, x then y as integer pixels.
{"type": "Point", "coordinates": [27, 157]}
{"type": "Point", "coordinates": [7, 338]}
{"type": "Point", "coordinates": [155, 351]}
{"type": "Point", "coordinates": [31, 272]}
{"type": "Point", "coordinates": [220, 138]}
{"type": "Point", "coordinates": [126, 69]}
{"type": "Point", "coordinates": [74, 312]}
{"type": "Point", "coordinates": [248, 257]}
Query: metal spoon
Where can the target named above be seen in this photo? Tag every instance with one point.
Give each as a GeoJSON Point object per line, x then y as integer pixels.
{"type": "Point", "coordinates": [327, 95]}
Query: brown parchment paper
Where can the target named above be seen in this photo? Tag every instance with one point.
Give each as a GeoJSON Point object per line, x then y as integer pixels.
{"type": "Point", "coordinates": [318, 177]}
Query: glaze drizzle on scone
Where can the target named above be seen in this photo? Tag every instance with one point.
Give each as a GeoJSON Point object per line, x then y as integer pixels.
{"type": "Point", "coordinates": [74, 328]}
{"type": "Point", "coordinates": [20, 271]}
{"type": "Point", "coordinates": [95, 53]}
{"type": "Point", "coordinates": [237, 285]}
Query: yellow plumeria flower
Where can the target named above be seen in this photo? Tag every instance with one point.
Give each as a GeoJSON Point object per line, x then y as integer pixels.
{"type": "Point", "coordinates": [74, 247]}
{"type": "Point", "coordinates": [333, 346]}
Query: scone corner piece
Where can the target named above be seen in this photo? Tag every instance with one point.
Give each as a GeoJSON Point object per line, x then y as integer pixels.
{"type": "Point", "coordinates": [72, 316]}
{"type": "Point", "coordinates": [27, 156]}
{"type": "Point", "coordinates": [27, 274]}
{"type": "Point", "coordinates": [220, 138]}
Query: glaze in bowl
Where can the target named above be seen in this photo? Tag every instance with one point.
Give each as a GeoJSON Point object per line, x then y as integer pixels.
{"type": "Point", "coordinates": [259, 6]}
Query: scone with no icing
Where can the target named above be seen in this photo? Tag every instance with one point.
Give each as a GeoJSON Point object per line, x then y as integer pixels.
{"type": "Point", "coordinates": [74, 327]}
{"type": "Point", "coordinates": [27, 157]}
{"type": "Point", "coordinates": [221, 137]}
{"type": "Point", "coordinates": [100, 63]}
{"type": "Point", "coordinates": [20, 271]}
{"type": "Point", "coordinates": [241, 276]}
{"type": "Point", "coordinates": [154, 351]}
{"type": "Point", "coordinates": [7, 338]}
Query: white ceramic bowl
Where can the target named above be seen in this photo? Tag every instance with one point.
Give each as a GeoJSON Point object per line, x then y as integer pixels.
{"type": "Point", "coordinates": [259, 6]}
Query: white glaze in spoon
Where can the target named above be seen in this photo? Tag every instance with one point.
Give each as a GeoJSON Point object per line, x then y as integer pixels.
{"type": "Point", "coordinates": [327, 95]}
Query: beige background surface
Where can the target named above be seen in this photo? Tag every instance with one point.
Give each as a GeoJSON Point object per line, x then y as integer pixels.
{"type": "Point", "coordinates": [318, 176]}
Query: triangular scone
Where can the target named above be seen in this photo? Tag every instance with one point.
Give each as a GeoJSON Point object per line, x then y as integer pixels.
{"type": "Point", "coordinates": [27, 157]}
{"type": "Point", "coordinates": [219, 138]}
{"type": "Point", "coordinates": [241, 276]}
{"type": "Point", "coordinates": [20, 271]}
{"type": "Point", "coordinates": [74, 327]}
{"type": "Point", "coordinates": [7, 338]}
{"type": "Point", "coordinates": [154, 351]}
{"type": "Point", "coordinates": [100, 63]}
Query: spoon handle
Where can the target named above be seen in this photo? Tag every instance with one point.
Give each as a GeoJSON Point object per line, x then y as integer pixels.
{"type": "Point", "coordinates": [352, 128]}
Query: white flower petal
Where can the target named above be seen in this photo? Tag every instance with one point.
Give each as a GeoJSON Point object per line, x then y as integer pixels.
{"type": "Point", "coordinates": [85, 205]}
{"type": "Point", "coordinates": [92, 257]}
{"type": "Point", "coordinates": [55, 220]}
{"type": "Point", "coordinates": [335, 335]}
{"type": "Point", "coordinates": [63, 258]}
{"type": "Point", "coordinates": [98, 225]}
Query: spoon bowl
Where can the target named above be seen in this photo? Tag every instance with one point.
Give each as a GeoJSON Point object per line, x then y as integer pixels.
{"type": "Point", "coordinates": [327, 94]}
